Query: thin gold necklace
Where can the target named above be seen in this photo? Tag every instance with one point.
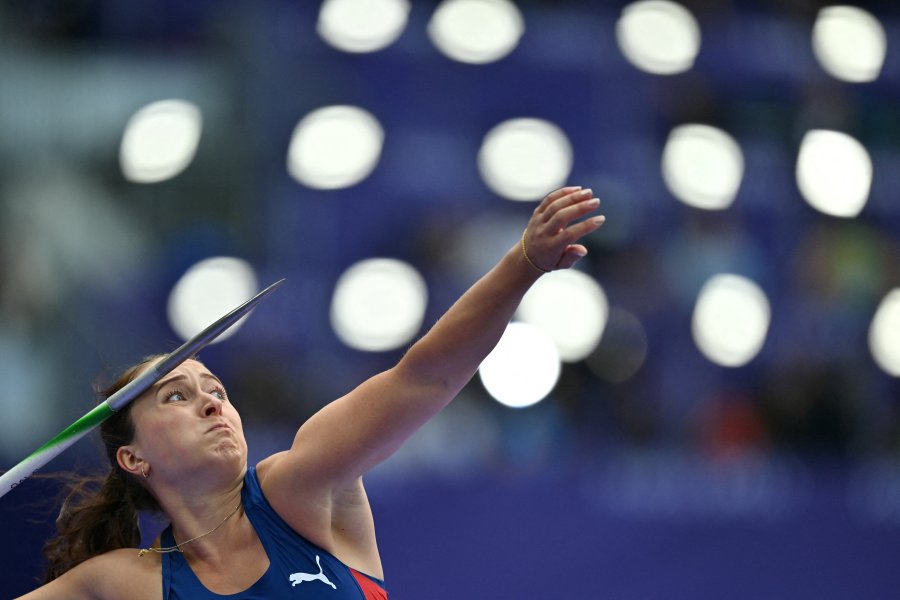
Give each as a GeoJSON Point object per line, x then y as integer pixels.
{"type": "Point", "coordinates": [177, 547]}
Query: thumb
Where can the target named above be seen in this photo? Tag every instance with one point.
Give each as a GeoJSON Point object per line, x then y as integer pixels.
{"type": "Point", "coordinates": [572, 254]}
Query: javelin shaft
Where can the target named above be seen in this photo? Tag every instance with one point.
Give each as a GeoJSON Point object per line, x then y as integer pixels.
{"type": "Point", "coordinates": [127, 394]}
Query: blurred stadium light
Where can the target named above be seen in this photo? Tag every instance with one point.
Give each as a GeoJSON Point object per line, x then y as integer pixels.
{"type": "Point", "coordinates": [523, 368]}
{"type": "Point", "coordinates": [658, 36]}
{"type": "Point", "coordinates": [160, 141]}
{"type": "Point", "coordinates": [522, 159]}
{"type": "Point", "coordinates": [731, 320]}
{"type": "Point", "coordinates": [378, 304]}
{"type": "Point", "coordinates": [362, 25]}
{"type": "Point", "coordinates": [849, 43]}
{"type": "Point", "coordinates": [210, 287]}
{"type": "Point", "coordinates": [884, 333]}
{"type": "Point", "coordinates": [703, 166]}
{"type": "Point", "coordinates": [834, 173]}
{"type": "Point", "coordinates": [476, 31]}
{"type": "Point", "coordinates": [571, 308]}
{"type": "Point", "coordinates": [335, 147]}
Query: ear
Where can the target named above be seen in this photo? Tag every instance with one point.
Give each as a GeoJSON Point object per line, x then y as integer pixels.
{"type": "Point", "coordinates": [129, 461]}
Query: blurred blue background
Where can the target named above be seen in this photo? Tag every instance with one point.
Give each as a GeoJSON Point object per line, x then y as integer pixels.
{"type": "Point", "coordinates": [685, 479]}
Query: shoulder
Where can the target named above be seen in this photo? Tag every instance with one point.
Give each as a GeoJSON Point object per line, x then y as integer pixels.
{"type": "Point", "coordinates": [115, 574]}
{"type": "Point", "coordinates": [129, 575]}
{"type": "Point", "coordinates": [293, 496]}
{"type": "Point", "coordinates": [297, 499]}
{"type": "Point", "coordinates": [264, 466]}
{"type": "Point", "coordinates": [122, 574]}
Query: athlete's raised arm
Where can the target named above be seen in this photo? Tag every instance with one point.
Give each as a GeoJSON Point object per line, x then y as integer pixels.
{"type": "Point", "coordinates": [354, 433]}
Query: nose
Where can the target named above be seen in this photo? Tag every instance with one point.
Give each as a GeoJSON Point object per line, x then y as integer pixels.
{"type": "Point", "coordinates": [212, 407]}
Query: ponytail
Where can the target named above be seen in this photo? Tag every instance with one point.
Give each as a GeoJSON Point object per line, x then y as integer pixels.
{"type": "Point", "coordinates": [92, 521]}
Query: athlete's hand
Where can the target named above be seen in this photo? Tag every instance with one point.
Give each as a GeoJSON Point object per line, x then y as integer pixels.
{"type": "Point", "coordinates": [549, 241]}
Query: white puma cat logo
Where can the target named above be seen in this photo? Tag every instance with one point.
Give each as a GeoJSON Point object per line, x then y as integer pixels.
{"type": "Point", "coordinates": [297, 578]}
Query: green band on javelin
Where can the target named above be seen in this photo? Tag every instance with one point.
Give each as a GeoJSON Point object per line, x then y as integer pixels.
{"type": "Point", "coordinates": [97, 415]}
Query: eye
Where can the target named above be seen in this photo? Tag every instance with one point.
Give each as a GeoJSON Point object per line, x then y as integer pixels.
{"type": "Point", "coordinates": [219, 393]}
{"type": "Point", "coordinates": [175, 396]}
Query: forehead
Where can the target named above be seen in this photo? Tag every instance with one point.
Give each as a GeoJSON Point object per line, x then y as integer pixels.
{"type": "Point", "coordinates": [189, 369]}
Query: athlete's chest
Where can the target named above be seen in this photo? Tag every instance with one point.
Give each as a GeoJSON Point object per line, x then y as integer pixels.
{"type": "Point", "coordinates": [235, 572]}
{"type": "Point", "coordinates": [283, 565]}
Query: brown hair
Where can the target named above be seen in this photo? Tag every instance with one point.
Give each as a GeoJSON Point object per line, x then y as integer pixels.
{"type": "Point", "coordinates": [100, 512]}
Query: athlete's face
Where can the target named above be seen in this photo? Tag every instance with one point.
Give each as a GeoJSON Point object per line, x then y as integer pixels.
{"type": "Point", "coordinates": [185, 426]}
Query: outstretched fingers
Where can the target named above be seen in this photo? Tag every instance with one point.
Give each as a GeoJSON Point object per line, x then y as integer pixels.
{"type": "Point", "coordinates": [576, 231]}
{"type": "Point", "coordinates": [568, 209]}
{"type": "Point", "coordinates": [555, 195]}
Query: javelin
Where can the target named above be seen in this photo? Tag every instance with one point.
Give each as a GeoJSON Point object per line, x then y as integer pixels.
{"type": "Point", "coordinates": [132, 390]}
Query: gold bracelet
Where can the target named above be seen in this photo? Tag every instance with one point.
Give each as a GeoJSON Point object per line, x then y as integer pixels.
{"type": "Point", "coordinates": [525, 252]}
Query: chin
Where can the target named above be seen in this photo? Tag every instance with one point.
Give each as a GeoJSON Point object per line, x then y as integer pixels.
{"type": "Point", "coordinates": [231, 449]}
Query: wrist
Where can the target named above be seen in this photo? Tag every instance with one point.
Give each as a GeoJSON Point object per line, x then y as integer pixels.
{"type": "Point", "coordinates": [528, 259]}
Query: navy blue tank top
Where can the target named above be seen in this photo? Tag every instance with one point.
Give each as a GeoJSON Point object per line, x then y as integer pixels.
{"type": "Point", "coordinates": [297, 567]}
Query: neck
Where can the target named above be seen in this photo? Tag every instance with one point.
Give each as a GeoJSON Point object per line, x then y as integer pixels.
{"type": "Point", "coordinates": [193, 500]}
{"type": "Point", "coordinates": [196, 516]}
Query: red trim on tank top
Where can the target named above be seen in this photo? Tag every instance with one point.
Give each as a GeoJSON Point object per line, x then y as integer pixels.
{"type": "Point", "coordinates": [370, 589]}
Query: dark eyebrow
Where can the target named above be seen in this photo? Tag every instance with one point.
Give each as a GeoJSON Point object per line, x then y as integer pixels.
{"type": "Point", "coordinates": [181, 377]}
{"type": "Point", "coordinates": [167, 380]}
{"type": "Point", "coordinates": [213, 377]}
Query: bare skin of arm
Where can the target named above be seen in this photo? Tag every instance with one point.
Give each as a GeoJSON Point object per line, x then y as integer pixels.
{"type": "Point", "coordinates": [316, 485]}
{"type": "Point", "coordinates": [116, 574]}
